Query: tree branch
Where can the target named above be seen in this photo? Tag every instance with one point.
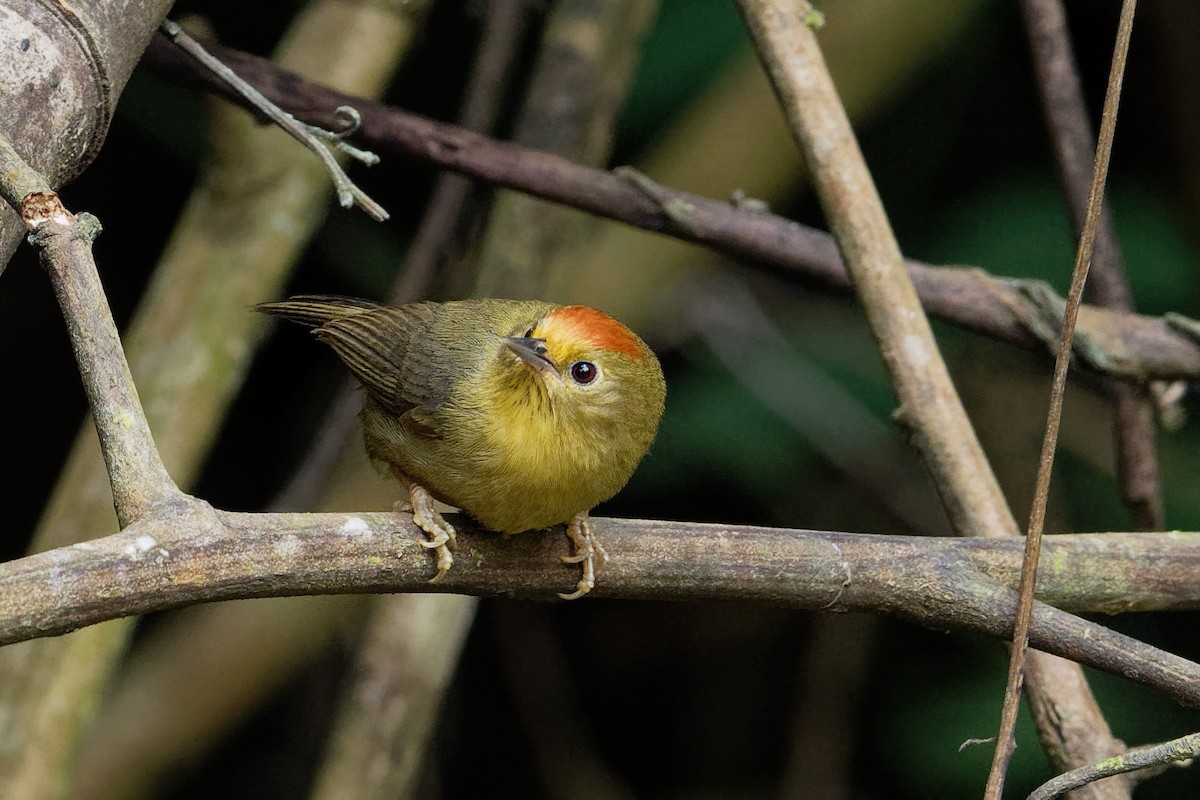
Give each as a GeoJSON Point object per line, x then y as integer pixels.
{"type": "Point", "coordinates": [1185, 748]}
{"type": "Point", "coordinates": [139, 480]}
{"type": "Point", "coordinates": [65, 69]}
{"type": "Point", "coordinates": [1083, 711]}
{"type": "Point", "coordinates": [928, 402]}
{"type": "Point", "coordinates": [195, 554]}
{"type": "Point", "coordinates": [1074, 144]}
{"type": "Point", "coordinates": [1026, 313]}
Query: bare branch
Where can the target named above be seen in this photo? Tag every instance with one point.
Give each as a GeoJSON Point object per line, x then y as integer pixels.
{"type": "Point", "coordinates": [1134, 424]}
{"type": "Point", "coordinates": [196, 555]}
{"type": "Point", "coordinates": [1026, 313]}
{"type": "Point", "coordinates": [929, 404]}
{"type": "Point", "coordinates": [139, 480]}
{"type": "Point", "coordinates": [1006, 741]}
{"type": "Point", "coordinates": [1176, 750]}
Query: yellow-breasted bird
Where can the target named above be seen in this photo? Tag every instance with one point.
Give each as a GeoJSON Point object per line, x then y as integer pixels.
{"type": "Point", "coordinates": [523, 414]}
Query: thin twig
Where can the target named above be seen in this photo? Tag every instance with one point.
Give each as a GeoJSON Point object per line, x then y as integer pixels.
{"type": "Point", "coordinates": [315, 139]}
{"type": "Point", "coordinates": [1182, 749]}
{"type": "Point", "coordinates": [1134, 425]}
{"type": "Point", "coordinates": [1037, 515]}
{"type": "Point", "coordinates": [1026, 313]}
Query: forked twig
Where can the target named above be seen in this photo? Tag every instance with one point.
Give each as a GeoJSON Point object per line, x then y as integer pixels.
{"type": "Point", "coordinates": [315, 139]}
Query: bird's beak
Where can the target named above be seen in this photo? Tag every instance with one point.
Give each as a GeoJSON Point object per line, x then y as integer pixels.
{"type": "Point", "coordinates": [532, 352]}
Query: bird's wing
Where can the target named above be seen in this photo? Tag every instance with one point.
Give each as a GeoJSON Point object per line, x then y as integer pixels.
{"type": "Point", "coordinates": [388, 350]}
{"type": "Point", "coordinates": [314, 310]}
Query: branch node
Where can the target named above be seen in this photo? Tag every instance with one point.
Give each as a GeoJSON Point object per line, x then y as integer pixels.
{"type": "Point", "coordinates": [41, 208]}
{"type": "Point", "coordinates": [739, 199]}
{"type": "Point", "coordinates": [1043, 317]}
{"type": "Point", "coordinates": [678, 211]}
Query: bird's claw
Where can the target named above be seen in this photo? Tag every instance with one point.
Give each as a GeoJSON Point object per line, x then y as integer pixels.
{"type": "Point", "coordinates": [441, 533]}
{"type": "Point", "coordinates": [587, 552]}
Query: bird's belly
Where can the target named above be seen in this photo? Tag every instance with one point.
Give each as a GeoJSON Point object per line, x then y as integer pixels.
{"type": "Point", "coordinates": [514, 482]}
{"type": "Point", "coordinates": [538, 477]}
{"type": "Point", "coordinates": [512, 475]}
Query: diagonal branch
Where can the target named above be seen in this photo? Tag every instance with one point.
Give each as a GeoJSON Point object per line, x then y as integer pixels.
{"type": "Point", "coordinates": [1185, 748]}
{"type": "Point", "coordinates": [1024, 313]}
{"type": "Point", "coordinates": [928, 402]}
{"type": "Point", "coordinates": [139, 480]}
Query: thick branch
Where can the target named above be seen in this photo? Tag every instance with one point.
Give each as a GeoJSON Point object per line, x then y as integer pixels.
{"type": "Point", "coordinates": [1024, 313]}
{"type": "Point", "coordinates": [947, 584]}
{"type": "Point", "coordinates": [65, 66]}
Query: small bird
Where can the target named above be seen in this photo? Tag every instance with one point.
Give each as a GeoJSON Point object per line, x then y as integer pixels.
{"type": "Point", "coordinates": [524, 414]}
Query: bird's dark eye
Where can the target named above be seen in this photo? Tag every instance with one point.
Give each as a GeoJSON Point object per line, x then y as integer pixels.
{"type": "Point", "coordinates": [584, 372]}
{"type": "Point", "coordinates": [529, 333]}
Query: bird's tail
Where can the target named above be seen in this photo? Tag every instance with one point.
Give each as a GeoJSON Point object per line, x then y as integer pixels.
{"type": "Point", "coordinates": [314, 310]}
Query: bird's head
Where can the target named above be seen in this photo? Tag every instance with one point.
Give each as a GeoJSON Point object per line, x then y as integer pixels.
{"type": "Point", "coordinates": [590, 366]}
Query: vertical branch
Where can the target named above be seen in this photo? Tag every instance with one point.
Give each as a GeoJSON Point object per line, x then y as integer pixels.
{"type": "Point", "coordinates": [502, 34]}
{"type": "Point", "coordinates": [587, 56]}
{"type": "Point", "coordinates": [1074, 147]}
{"type": "Point", "coordinates": [1037, 514]}
{"type": "Point", "coordinates": [404, 667]}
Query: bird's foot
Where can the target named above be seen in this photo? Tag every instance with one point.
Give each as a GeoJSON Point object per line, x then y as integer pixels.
{"type": "Point", "coordinates": [426, 517]}
{"type": "Point", "coordinates": [587, 553]}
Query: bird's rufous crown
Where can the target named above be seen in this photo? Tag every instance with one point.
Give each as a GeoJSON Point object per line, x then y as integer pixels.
{"type": "Point", "coordinates": [597, 329]}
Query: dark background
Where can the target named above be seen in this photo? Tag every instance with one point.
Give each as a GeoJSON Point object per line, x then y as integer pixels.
{"type": "Point", "coordinates": [695, 700]}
